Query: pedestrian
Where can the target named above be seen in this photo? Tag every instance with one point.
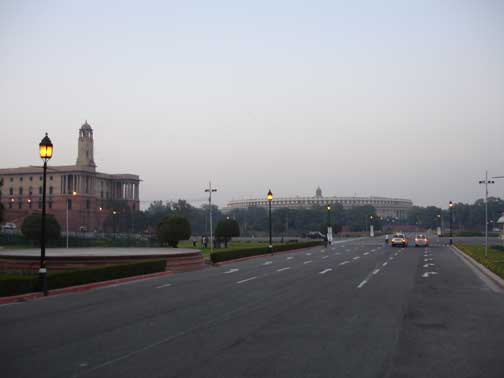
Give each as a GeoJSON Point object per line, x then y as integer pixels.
{"type": "Point", "coordinates": [386, 239]}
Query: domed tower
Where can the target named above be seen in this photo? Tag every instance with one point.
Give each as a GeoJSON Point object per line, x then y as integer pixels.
{"type": "Point", "coordinates": [85, 157]}
{"type": "Point", "coordinates": [318, 192]}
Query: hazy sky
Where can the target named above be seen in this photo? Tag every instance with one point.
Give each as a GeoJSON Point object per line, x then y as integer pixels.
{"type": "Point", "coordinates": [389, 98]}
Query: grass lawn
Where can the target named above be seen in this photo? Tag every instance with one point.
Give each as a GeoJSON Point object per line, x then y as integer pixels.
{"type": "Point", "coordinates": [494, 261]}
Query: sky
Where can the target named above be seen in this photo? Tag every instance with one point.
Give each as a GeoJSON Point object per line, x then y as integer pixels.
{"type": "Point", "coordinates": [384, 98]}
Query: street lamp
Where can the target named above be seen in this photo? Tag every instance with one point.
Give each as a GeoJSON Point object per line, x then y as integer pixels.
{"type": "Point", "coordinates": [328, 224]}
{"type": "Point", "coordinates": [450, 206]}
{"type": "Point", "coordinates": [270, 199]}
{"type": "Point", "coordinates": [486, 182]}
{"type": "Point", "coordinates": [210, 190]}
{"type": "Point", "coordinates": [45, 151]}
{"type": "Point", "coordinates": [114, 213]}
{"type": "Point", "coordinates": [67, 208]}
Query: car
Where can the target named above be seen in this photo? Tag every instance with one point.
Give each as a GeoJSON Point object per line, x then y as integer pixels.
{"type": "Point", "coordinates": [421, 241]}
{"type": "Point", "coordinates": [399, 240]}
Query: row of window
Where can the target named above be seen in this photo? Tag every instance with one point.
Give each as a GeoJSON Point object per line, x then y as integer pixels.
{"type": "Point", "coordinates": [30, 190]}
{"type": "Point", "coordinates": [29, 203]}
{"type": "Point", "coordinates": [11, 179]}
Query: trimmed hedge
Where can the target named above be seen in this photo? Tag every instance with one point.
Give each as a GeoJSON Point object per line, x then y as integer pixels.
{"type": "Point", "coordinates": [247, 252]}
{"type": "Point", "coordinates": [13, 285]}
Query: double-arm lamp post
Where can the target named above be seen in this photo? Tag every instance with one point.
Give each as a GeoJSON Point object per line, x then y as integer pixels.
{"type": "Point", "coordinates": [329, 230]}
{"type": "Point", "coordinates": [45, 151]}
{"type": "Point", "coordinates": [270, 199]}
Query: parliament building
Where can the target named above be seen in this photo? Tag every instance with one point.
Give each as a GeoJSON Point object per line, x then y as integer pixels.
{"type": "Point", "coordinates": [87, 193]}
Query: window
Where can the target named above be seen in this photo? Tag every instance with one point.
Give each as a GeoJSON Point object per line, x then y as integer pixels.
{"type": "Point", "coordinates": [88, 204]}
{"type": "Point", "coordinates": [31, 178]}
{"type": "Point", "coordinates": [20, 204]}
{"type": "Point", "coordinates": [50, 178]}
{"type": "Point", "coordinates": [21, 178]}
{"type": "Point", "coordinates": [40, 178]}
{"type": "Point", "coordinates": [11, 179]}
{"type": "Point", "coordinates": [69, 204]}
{"type": "Point", "coordinates": [40, 204]}
{"type": "Point", "coordinates": [50, 190]}
{"type": "Point", "coordinates": [30, 190]}
{"type": "Point", "coordinates": [21, 191]}
{"type": "Point", "coordinates": [50, 204]}
{"type": "Point", "coordinates": [40, 190]}
{"type": "Point", "coordinates": [11, 191]}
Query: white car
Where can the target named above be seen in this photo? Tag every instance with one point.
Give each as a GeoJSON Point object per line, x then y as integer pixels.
{"type": "Point", "coordinates": [421, 241]}
{"type": "Point", "coordinates": [399, 240]}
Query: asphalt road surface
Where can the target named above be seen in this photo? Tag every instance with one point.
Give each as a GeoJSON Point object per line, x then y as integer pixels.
{"type": "Point", "coordinates": [355, 309]}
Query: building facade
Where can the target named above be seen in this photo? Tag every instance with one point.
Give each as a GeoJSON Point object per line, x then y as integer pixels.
{"type": "Point", "coordinates": [385, 207]}
{"type": "Point", "coordinates": [88, 194]}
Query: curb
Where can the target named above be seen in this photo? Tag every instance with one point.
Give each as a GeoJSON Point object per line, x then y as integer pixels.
{"type": "Point", "coordinates": [80, 288]}
{"type": "Point", "coordinates": [494, 278]}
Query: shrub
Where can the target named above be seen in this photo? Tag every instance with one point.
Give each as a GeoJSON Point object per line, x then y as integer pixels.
{"type": "Point", "coordinates": [173, 229]}
{"type": "Point", "coordinates": [31, 227]}
{"type": "Point", "coordinates": [226, 229]}
{"type": "Point", "coordinates": [247, 252]}
{"type": "Point", "coordinates": [13, 285]}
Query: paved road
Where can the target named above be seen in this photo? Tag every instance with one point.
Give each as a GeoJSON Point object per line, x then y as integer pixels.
{"type": "Point", "coordinates": [357, 309]}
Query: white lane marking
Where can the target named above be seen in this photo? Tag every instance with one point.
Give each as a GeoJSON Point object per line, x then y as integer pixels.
{"type": "Point", "coordinates": [395, 254]}
{"type": "Point", "coordinates": [325, 271]}
{"type": "Point", "coordinates": [247, 279]}
{"type": "Point", "coordinates": [165, 285]}
{"type": "Point", "coordinates": [282, 269]}
{"type": "Point", "coordinates": [362, 284]}
{"type": "Point", "coordinates": [348, 250]}
{"type": "Point", "coordinates": [322, 250]}
{"type": "Point", "coordinates": [366, 253]}
{"type": "Point", "coordinates": [232, 270]}
{"type": "Point", "coordinates": [376, 271]}
{"type": "Point", "coordinates": [307, 262]}
{"type": "Point", "coordinates": [428, 264]}
{"type": "Point", "coordinates": [337, 253]}
{"type": "Point", "coordinates": [308, 253]}
{"type": "Point", "coordinates": [385, 263]}
{"type": "Point", "coordinates": [344, 262]}
{"type": "Point", "coordinates": [325, 257]}
{"type": "Point", "coordinates": [356, 258]}
{"type": "Point", "coordinates": [373, 250]}
{"type": "Point", "coordinates": [268, 263]}
{"type": "Point", "coordinates": [289, 257]}
{"type": "Point", "coordinates": [391, 258]}
{"type": "Point", "coordinates": [425, 260]}
{"type": "Point", "coordinates": [427, 274]}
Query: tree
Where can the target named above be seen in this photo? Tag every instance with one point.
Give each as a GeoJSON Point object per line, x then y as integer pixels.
{"type": "Point", "coordinates": [173, 229]}
{"type": "Point", "coordinates": [1, 206]}
{"type": "Point", "coordinates": [32, 224]}
{"type": "Point", "coordinates": [226, 229]}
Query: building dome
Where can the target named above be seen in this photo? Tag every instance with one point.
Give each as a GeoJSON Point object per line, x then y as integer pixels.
{"type": "Point", "coordinates": [86, 126]}
{"type": "Point", "coordinates": [318, 192]}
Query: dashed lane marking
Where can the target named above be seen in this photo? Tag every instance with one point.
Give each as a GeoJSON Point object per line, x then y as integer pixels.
{"type": "Point", "coordinates": [361, 284]}
{"type": "Point", "coordinates": [289, 257]}
{"type": "Point", "coordinates": [376, 271]}
{"type": "Point", "coordinates": [232, 270]}
{"type": "Point", "coordinates": [356, 258]}
{"type": "Point", "coordinates": [366, 253]}
{"type": "Point", "coordinates": [268, 263]}
{"type": "Point", "coordinates": [165, 285]}
{"type": "Point", "coordinates": [282, 269]}
{"type": "Point", "coordinates": [325, 271]}
{"type": "Point", "coordinates": [307, 262]}
{"type": "Point", "coordinates": [308, 253]}
{"type": "Point", "coordinates": [385, 263]}
{"type": "Point", "coordinates": [325, 257]}
{"type": "Point", "coordinates": [427, 274]}
{"type": "Point", "coordinates": [344, 262]}
{"type": "Point", "coordinates": [246, 280]}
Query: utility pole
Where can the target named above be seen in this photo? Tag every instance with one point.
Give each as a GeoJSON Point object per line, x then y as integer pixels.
{"type": "Point", "coordinates": [486, 182]}
{"type": "Point", "coordinates": [210, 190]}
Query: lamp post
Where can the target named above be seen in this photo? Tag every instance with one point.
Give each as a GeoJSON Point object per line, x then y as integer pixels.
{"type": "Point", "coordinates": [486, 182]}
{"type": "Point", "coordinates": [371, 226]}
{"type": "Point", "coordinates": [440, 227]}
{"type": "Point", "coordinates": [450, 206]}
{"type": "Point", "coordinates": [270, 199]}
{"type": "Point", "coordinates": [114, 213]}
{"type": "Point", "coordinates": [67, 208]}
{"type": "Point", "coordinates": [210, 190]}
{"type": "Point", "coordinates": [328, 224]}
{"type": "Point", "coordinates": [45, 151]}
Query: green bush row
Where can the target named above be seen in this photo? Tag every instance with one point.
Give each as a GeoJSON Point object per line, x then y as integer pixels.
{"type": "Point", "coordinates": [496, 266]}
{"type": "Point", "coordinates": [247, 252]}
{"type": "Point", "coordinates": [14, 285]}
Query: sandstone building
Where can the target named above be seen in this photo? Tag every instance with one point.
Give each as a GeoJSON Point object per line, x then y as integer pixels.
{"type": "Point", "coordinates": [89, 194]}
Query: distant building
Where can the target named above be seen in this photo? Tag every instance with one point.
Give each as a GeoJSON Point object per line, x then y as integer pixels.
{"type": "Point", "coordinates": [86, 190]}
{"type": "Point", "coordinates": [385, 207]}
